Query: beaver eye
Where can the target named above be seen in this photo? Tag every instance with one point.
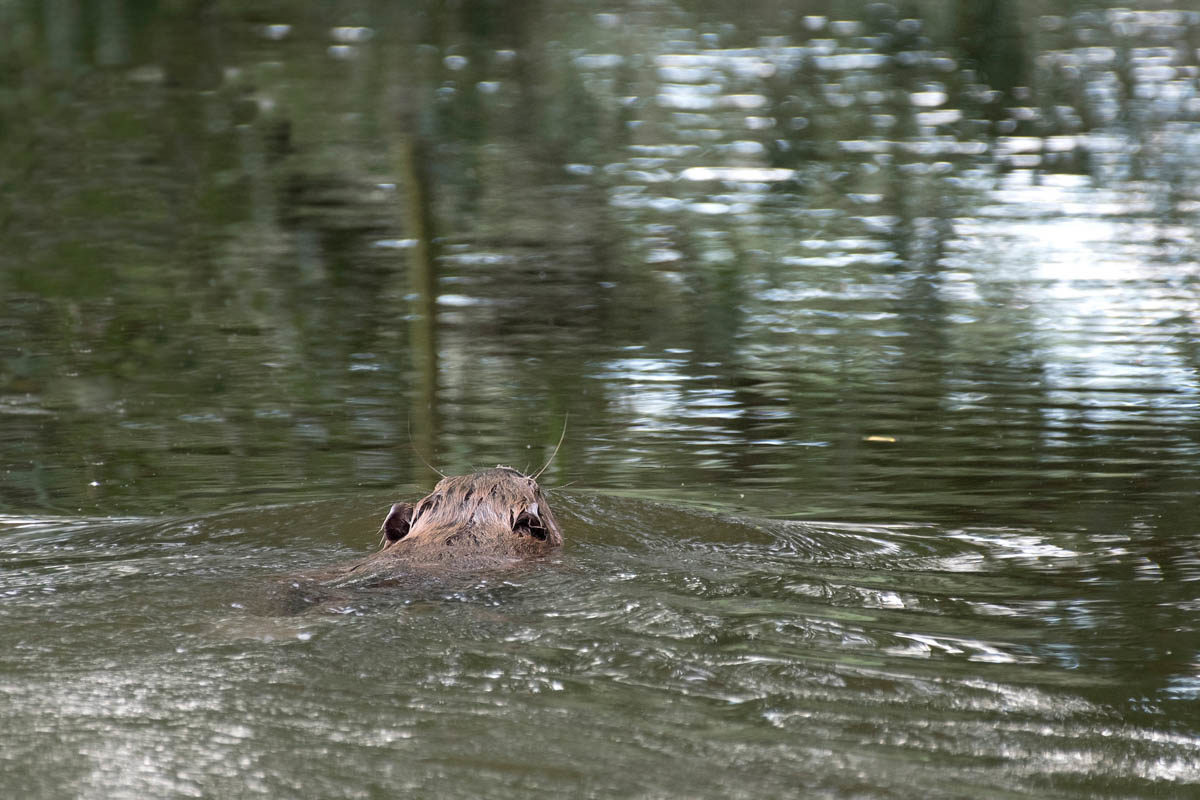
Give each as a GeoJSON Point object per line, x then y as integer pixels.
{"type": "Point", "coordinates": [529, 522]}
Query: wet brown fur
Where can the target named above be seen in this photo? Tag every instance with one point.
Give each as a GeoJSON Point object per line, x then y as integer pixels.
{"type": "Point", "coordinates": [496, 512]}
{"type": "Point", "coordinates": [483, 520]}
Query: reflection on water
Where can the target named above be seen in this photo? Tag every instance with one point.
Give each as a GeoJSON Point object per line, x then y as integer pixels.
{"type": "Point", "coordinates": [900, 298]}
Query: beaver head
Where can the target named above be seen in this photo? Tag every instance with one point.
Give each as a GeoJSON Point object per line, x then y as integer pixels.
{"type": "Point", "coordinates": [496, 512]}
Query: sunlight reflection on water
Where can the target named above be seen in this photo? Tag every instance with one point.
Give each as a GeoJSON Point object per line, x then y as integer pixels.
{"type": "Point", "coordinates": [910, 320]}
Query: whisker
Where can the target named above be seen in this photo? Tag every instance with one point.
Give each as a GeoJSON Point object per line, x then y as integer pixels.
{"type": "Point", "coordinates": [413, 445]}
{"type": "Point", "coordinates": [552, 455]}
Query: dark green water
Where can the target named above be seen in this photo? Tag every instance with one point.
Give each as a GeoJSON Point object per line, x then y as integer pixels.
{"type": "Point", "coordinates": [876, 328]}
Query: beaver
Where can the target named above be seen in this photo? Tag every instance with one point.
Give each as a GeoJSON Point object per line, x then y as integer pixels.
{"type": "Point", "coordinates": [486, 520]}
{"type": "Point", "coordinates": [498, 513]}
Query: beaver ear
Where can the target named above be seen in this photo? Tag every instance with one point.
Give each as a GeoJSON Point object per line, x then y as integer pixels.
{"type": "Point", "coordinates": [397, 523]}
{"type": "Point", "coordinates": [529, 522]}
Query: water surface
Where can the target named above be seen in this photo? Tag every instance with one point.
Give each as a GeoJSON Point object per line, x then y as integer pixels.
{"type": "Point", "coordinates": [874, 331]}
